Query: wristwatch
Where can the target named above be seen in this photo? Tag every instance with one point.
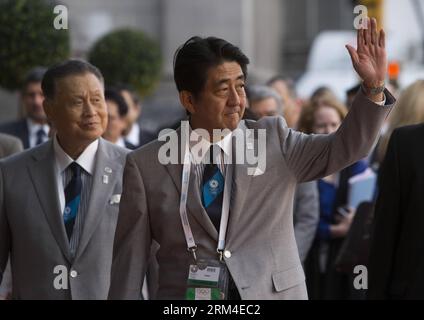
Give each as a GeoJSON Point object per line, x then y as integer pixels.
{"type": "Point", "coordinates": [372, 90]}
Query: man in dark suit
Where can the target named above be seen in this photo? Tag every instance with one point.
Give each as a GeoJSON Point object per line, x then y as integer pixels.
{"type": "Point", "coordinates": [33, 129]}
{"type": "Point", "coordinates": [396, 266]}
{"type": "Point", "coordinates": [59, 200]}
{"type": "Point", "coordinates": [134, 135]}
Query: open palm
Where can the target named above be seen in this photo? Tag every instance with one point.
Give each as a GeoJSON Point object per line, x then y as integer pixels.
{"type": "Point", "coordinates": [370, 59]}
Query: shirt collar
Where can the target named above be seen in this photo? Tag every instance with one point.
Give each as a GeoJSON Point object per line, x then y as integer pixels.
{"type": "Point", "coordinates": [225, 144]}
{"type": "Point", "coordinates": [86, 160]}
{"type": "Point", "coordinates": [134, 134]}
{"type": "Point", "coordinates": [34, 127]}
{"type": "Point", "coordinates": [120, 142]}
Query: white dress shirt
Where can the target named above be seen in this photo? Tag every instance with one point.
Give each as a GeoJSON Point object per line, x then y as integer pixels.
{"type": "Point", "coordinates": [134, 135]}
{"type": "Point", "coordinates": [202, 143]}
{"type": "Point", "coordinates": [86, 160]}
{"type": "Point", "coordinates": [32, 132]}
{"type": "Point", "coordinates": [120, 143]}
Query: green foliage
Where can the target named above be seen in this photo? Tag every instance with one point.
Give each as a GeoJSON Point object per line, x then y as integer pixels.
{"type": "Point", "coordinates": [28, 39]}
{"type": "Point", "coordinates": [129, 57]}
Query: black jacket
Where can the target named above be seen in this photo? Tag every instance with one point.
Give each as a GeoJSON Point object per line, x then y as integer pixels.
{"type": "Point", "coordinates": [396, 267]}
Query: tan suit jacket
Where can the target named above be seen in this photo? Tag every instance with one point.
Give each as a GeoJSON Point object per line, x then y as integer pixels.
{"type": "Point", "coordinates": [264, 258]}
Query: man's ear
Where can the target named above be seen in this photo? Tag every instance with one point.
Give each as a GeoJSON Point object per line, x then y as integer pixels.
{"type": "Point", "coordinates": [187, 100]}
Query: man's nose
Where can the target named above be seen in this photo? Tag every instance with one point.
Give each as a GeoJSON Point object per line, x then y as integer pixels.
{"type": "Point", "coordinates": [89, 109]}
{"type": "Point", "coordinates": [233, 99]}
{"type": "Point", "coordinates": [38, 99]}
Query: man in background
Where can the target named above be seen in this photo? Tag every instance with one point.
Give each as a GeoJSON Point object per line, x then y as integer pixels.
{"type": "Point", "coordinates": [33, 129]}
{"type": "Point", "coordinates": [134, 135]}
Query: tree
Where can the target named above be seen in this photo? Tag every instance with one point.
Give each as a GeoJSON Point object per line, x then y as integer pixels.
{"type": "Point", "coordinates": [130, 57]}
{"type": "Point", "coordinates": [28, 38]}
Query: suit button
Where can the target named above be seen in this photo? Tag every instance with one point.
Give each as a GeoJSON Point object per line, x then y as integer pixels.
{"type": "Point", "coordinates": [227, 254]}
{"type": "Point", "coordinates": [74, 274]}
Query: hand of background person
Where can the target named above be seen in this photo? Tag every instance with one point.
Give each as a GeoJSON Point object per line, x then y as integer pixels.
{"type": "Point", "coordinates": [342, 227]}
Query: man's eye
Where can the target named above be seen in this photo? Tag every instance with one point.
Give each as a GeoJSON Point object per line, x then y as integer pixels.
{"type": "Point", "coordinates": [240, 87]}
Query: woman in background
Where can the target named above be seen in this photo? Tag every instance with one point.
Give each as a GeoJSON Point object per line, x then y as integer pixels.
{"type": "Point", "coordinates": [324, 116]}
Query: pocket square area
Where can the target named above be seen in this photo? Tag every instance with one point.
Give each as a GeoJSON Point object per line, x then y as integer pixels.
{"type": "Point", "coordinates": [115, 199]}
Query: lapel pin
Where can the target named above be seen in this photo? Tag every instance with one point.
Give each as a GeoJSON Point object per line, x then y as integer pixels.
{"type": "Point", "coordinates": [105, 179]}
{"type": "Point", "coordinates": [108, 170]}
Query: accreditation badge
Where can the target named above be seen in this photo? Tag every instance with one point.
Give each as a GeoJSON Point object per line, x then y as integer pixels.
{"type": "Point", "coordinates": [207, 280]}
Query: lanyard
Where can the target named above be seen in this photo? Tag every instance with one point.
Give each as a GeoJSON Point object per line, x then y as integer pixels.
{"type": "Point", "coordinates": [191, 244]}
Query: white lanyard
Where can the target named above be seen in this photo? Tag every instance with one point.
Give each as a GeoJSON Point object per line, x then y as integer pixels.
{"type": "Point", "coordinates": [191, 244]}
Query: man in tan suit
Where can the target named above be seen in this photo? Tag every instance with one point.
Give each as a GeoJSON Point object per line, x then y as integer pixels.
{"type": "Point", "coordinates": [259, 247]}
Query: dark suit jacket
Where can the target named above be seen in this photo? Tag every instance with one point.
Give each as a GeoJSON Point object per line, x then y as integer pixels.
{"type": "Point", "coordinates": [396, 267]}
{"type": "Point", "coordinates": [145, 137]}
{"type": "Point", "coordinates": [18, 129]}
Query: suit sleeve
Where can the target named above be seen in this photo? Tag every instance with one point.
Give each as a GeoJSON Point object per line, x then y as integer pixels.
{"type": "Point", "coordinates": [386, 222]}
{"type": "Point", "coordinates": [311, 157]}
{"type": "Point", "coordinates": [15, 146]}
{"type": "Point", "coordinates": [132, 237]}
{"type": "Point", "coordinates": [306, 216]}
{"type": "Point", "coordinates": [4, 229]}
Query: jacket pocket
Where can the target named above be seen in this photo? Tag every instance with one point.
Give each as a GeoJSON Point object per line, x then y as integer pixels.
{"type": "Point", "coordinates": [287, 279]}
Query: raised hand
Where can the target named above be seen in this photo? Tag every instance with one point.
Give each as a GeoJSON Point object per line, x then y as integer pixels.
{"type": "Point", "coordinates": [370, 59]}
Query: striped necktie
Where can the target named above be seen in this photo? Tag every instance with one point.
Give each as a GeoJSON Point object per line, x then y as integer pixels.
{"type": "Point", "coordinates": [212, 189]}
{"type": "Point", "coordinates": [72, 198]}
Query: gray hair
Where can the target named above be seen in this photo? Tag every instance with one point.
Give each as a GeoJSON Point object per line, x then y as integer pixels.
{"type": "Point", "coordinates": [260, 92]}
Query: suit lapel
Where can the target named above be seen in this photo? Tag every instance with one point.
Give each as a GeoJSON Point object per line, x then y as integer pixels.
{"type": "Point", "coordinates": [42, 171]}
{"type": "Point", "coordinates": [241, 184]}
{"type": "Point", "coordinates": [194, 202]}
{"type": "Point", "coordinates": [100, 193]}
{"type": "Point", "coordinates": [240, 187]}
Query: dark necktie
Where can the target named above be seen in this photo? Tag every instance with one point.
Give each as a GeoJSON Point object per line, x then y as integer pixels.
{"type": "Point", "coordinates": [72, 198]}
{"type": "Point", "coordinates": [41, 134]}
{"type": "Point", "coordinates": [212, 189]}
